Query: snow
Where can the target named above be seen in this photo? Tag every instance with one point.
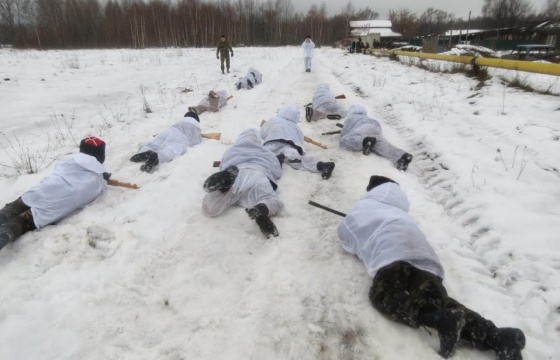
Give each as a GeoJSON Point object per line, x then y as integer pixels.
{"type": "Point", "coordinates": [142, 274]}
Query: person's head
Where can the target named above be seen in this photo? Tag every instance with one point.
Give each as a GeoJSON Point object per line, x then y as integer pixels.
{"type": "Point", "coordinates": [94, 147]}
{"type": "Point", "coordinates": [357, 109]}
{"type": "Point", "coordinates": [377, 180]}
{"type": "Point", "coordinates": [289, 112]}
{"type": "Point", "coordinates": [250, 135]}
{"type": "Point", "coordinates": [222, 38]}
{"type": "Point", "coordinates": [193, 115]}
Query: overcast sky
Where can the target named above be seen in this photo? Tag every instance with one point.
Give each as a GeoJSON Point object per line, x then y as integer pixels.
{"type": "Point", "coordinates": [458, 7]}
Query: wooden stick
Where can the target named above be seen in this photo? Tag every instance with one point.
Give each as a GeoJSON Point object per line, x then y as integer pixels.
{"type": "Point", "coordinates": [122, 184]}
{"type": "Point", "coordinates": [215, 136]}
{"type": "Point", "coordinates": [332, 132]}
{"type": "Point", "coordinates": [216, 163]}
{"type": "Point", "coordinates": [229, 97]}
{"type": "Point", "coordinates": [305, 138]}
{"type": "Point", "coordinates": [327, 208]}
{"type": "Point", "coordinates": [311, 141]}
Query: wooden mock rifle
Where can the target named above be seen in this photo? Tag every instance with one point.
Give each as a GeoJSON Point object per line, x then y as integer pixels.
{"type": "Point", "coordinates": [118, 183]}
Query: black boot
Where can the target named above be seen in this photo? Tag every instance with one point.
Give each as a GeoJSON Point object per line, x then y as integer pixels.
{"type": "Point", "coordinates": [368, 144]}
{"type": "Point", "coordinates": [448, 323]}
{"type": "Point", "coordinates": [151, 163]}
{"type": "Point", "coordinates": [326, 169]}
{"type": "Point", "coordinates": [16, 227]}
{"type": "Point", "coordinates": [308, 113]}
{"type": "Point", "coordinates": [260, 214]}
{"type": "Point", "coordinates": [402, 163]}
{"type": "Point", "coordinates": [141, 157]}
{"type": "Point", "coordinates": [12, 210]}
{"type": "Point", "coordinates": [222, 180]}
{"type": "Point", "coordinates": [507, 343]}
{"type": "Point", "coordinates": [267, 226]}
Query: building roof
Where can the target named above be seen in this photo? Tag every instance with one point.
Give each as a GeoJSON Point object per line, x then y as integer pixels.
{"type": "Point", "coordinates": [462, 32]}
{"type": "Point", "coordinates": [383, 32]}
{"type": "Point", "coordinates": [371, 24]}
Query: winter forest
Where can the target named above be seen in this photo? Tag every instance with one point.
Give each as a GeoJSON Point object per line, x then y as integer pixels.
{"type": "Point", "coordinates": [68, 24]}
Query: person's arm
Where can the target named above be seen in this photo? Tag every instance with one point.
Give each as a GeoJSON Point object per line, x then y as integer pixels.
{"type": "Point", "coordinates": [218, 51]}
{"type": "Point", "coordinates": [230, 49]}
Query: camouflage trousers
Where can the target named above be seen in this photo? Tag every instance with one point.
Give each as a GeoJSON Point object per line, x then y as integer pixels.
{"type": "Point", "coordinates": [226, 59]}
{"type": "Point", "coordinates": [402, 292]}
{"type": "Point", "coordinates": [18, 217]}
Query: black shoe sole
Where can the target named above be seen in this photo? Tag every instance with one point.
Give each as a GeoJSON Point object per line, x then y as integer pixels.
{"type": "Point", "coordinates": [308, 113]}
{"type": "Point", "coordinates": [141, 157]}
{"type": "Point", "coordinates": [267, 226]}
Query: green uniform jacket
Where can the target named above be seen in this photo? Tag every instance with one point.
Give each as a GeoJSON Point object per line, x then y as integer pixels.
{"type": "Point", "coordinates": [223, 48]}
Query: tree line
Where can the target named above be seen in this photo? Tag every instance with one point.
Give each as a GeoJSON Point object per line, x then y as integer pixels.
{"type": "Point", "coordinates": [63, 24]}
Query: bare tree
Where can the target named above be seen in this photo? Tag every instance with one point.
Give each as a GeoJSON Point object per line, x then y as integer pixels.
{"type": "Point", "coordinates": [507, 13]}
{"type": "Point", "coordinates": [552, 9]}
{"type": "Point", "coordinates": [14, 14]}
{"type": "Point", "coordinates": [404, 22]}
{"type": "Point", "coordinates": [434, 21]}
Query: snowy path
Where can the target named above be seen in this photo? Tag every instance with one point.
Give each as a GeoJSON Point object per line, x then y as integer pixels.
{"type": "Point", "coordinates": [143, 275]}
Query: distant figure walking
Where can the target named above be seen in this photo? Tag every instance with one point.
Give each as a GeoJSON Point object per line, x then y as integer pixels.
{"type": "Point", "coordinates": [222, 53]}
{"type": "Point", "coordinates": [308, 46]}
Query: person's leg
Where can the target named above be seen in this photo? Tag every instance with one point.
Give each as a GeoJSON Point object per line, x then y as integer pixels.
{"type": "Point", "coordinates": [484, 335]}
{"type": "Point", "coordinates": [227, 63]}
{"type": "Point", "coordinates": [12, 210]}
{"type": "Point", "coordinates": [214, 100]}
{"type": "Point", "coordinates": [352, 141]}
{"type": "Point", "coordinates": [15, 227]}
{"type": "Point", "coordinates": [222, 59]}
{"type": "Point", "coordinates": [398, 156]}
{"type": "Point", "coordinates": [410, 296]}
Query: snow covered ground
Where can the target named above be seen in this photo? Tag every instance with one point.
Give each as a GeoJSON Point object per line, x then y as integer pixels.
{"type": "Point", "coordinates": [144, 275]}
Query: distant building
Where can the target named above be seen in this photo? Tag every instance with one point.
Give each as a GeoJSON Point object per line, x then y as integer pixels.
{"type": "Point", "coordinates": [373, 31]}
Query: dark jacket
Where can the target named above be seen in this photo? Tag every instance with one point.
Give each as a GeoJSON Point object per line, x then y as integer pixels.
{"type": "Point", "coordinates": [223, 48]}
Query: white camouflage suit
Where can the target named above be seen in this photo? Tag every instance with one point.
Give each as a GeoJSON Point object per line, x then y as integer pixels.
{"type": "Point", "coordinates": [324, 103]}
{"type": "Point", "coordinates": [257, 168]}
{"type": "Point", "coordinates": [249, 81]}
{"type": "Point", "coordinates": [212, 104]}
{"type": "Point", "coordinates": [73, 183]}
{"type": "Point", "coordinates": [307, 47]}
{"type": "Point", "coordinates": [282, 135]}
{"type": "Point", "coordinates": [174, 140]}
{"type": "Point", "coordinates": [358, 126]}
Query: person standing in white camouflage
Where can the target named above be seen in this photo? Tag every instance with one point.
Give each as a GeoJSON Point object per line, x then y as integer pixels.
{"type": "Point", "coordinates": [308, 46]}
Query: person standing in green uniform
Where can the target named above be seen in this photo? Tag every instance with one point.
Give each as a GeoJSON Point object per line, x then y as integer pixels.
{"type": "Point", "coordinates": [222, 52]}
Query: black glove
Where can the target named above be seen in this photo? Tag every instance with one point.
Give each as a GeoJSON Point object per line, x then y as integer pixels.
{"type": "Point", "coordinates": [106, 176]}
{"type": "Point", "coordinates": [218, 57]}
{"type": "Point", "coordinates": [231, 54]}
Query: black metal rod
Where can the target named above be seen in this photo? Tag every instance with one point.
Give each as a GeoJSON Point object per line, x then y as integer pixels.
{"type": "Point", "coordinates": [327, 208]}
{"type": "Point", "coordinates": [332, 132]}
{"type": "Point", "coordinates": [339, 125]}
